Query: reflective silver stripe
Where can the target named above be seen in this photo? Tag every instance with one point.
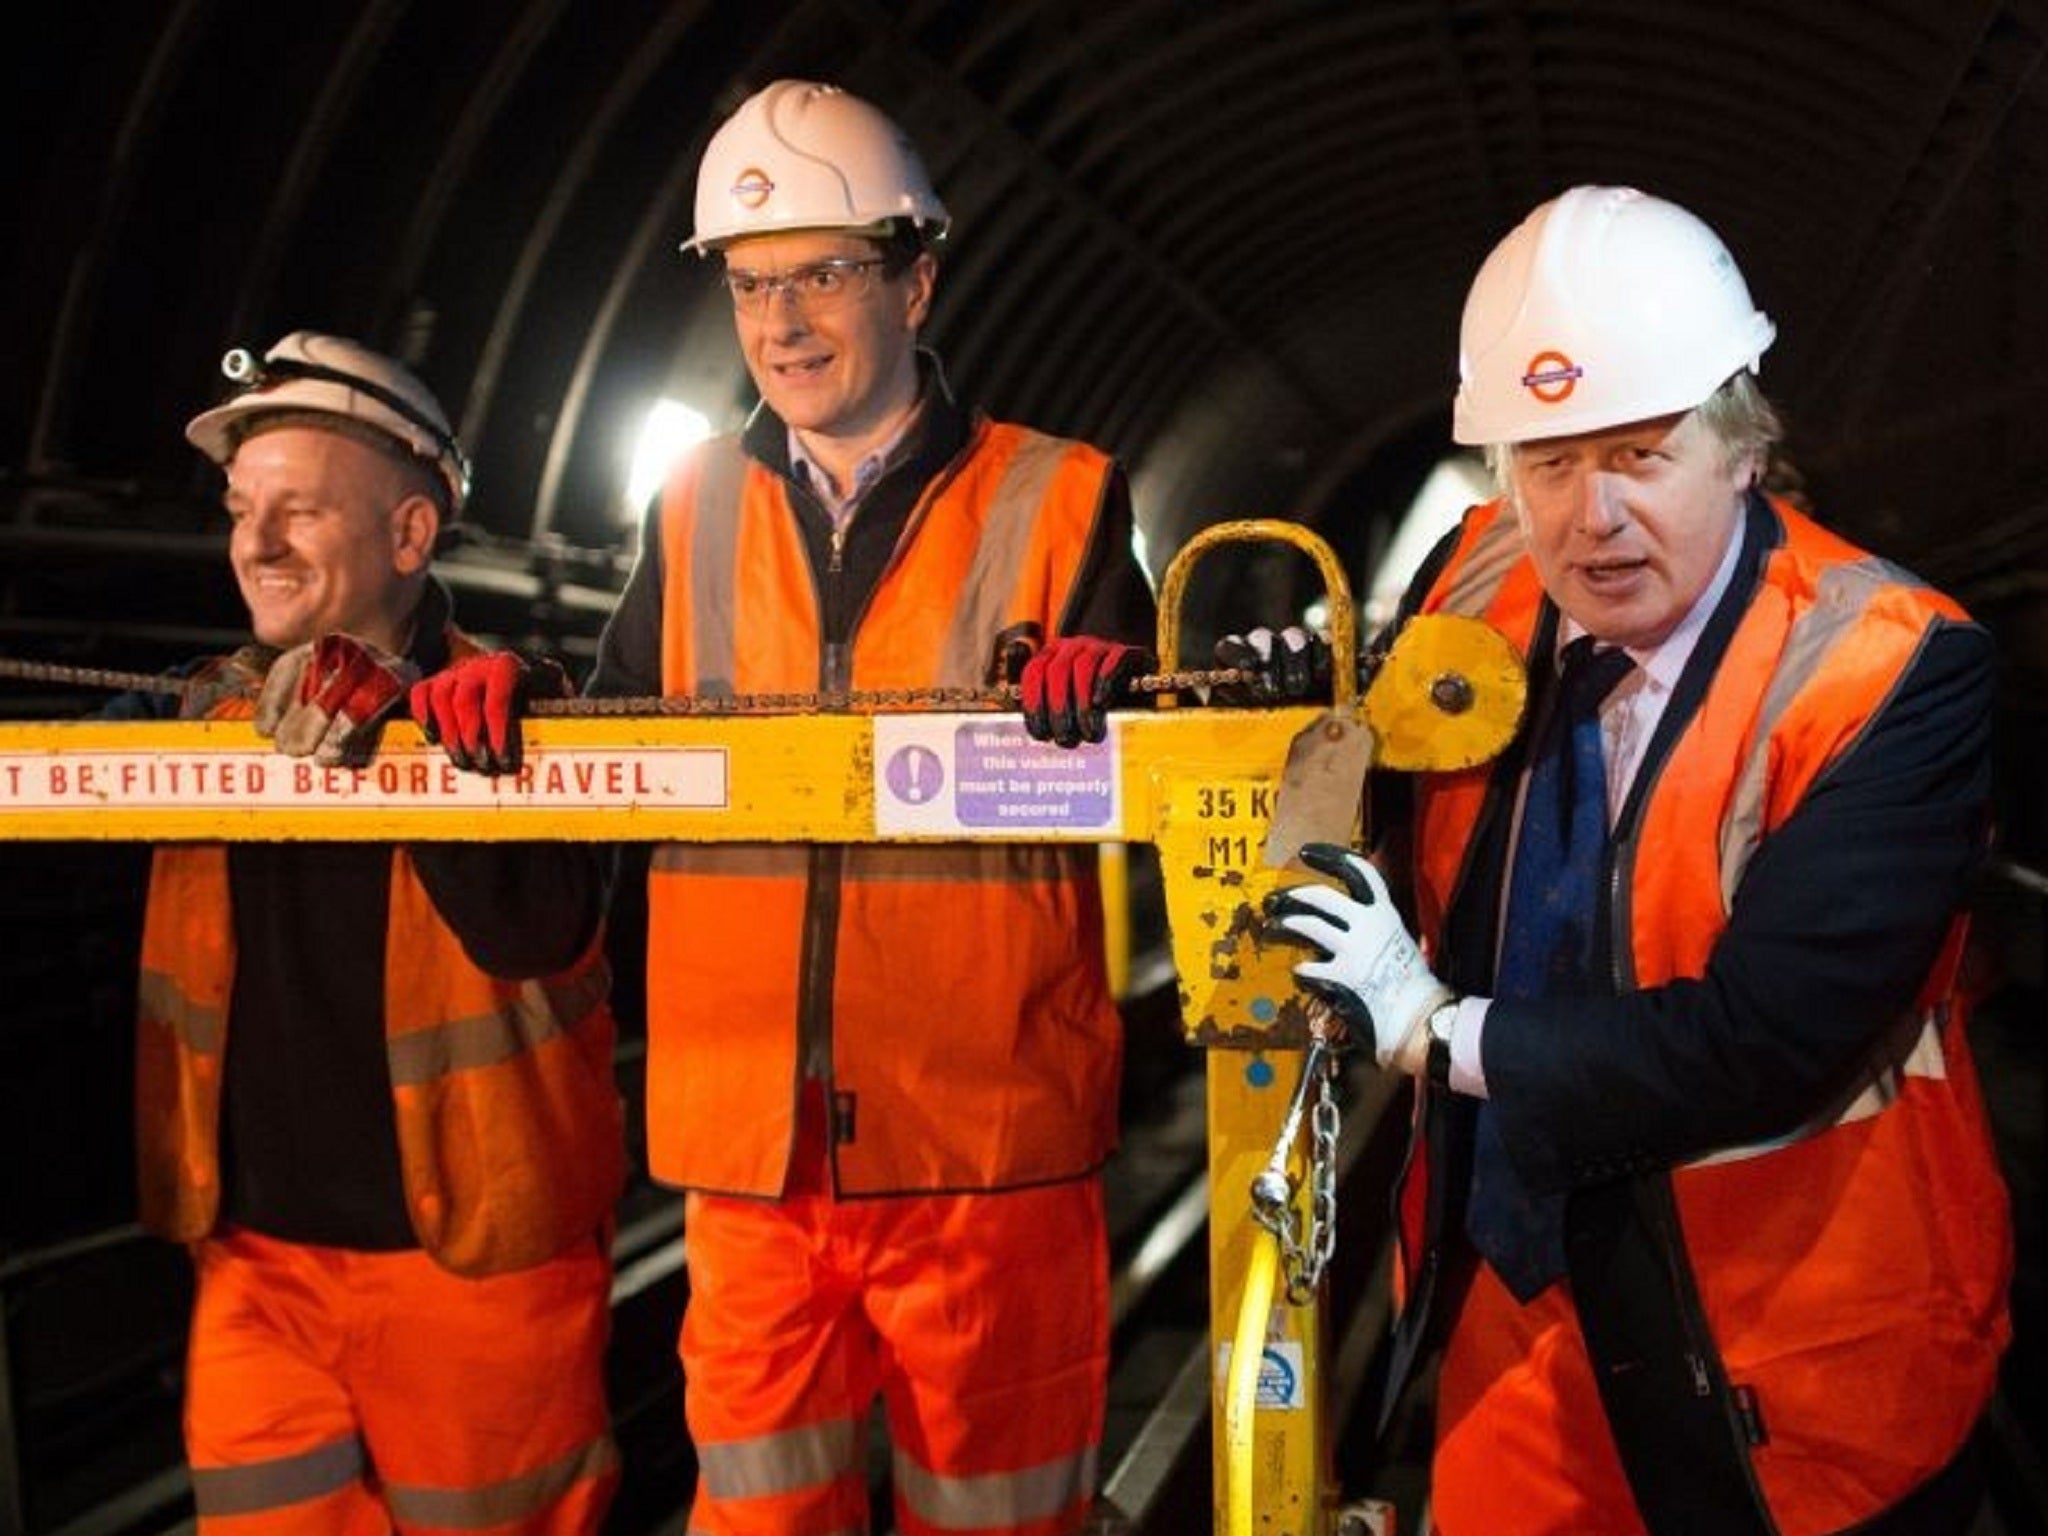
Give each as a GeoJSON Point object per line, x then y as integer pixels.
{"type": "Point", "coordinates": [1478, 579]}
{"type": "Point", "coordinates": [714, 560]}
{"type": "Point", "coordinates": [995, 1498]}
{"type": "Point", "coordinates": [795, 1459]}
{"type": "Point", "coordinates": [516, 1498]}
{"type": "Point", "coordinates": [1005, 536]}
{"type": "Point", "coordinates": [1879, 1092]}
{"type": "Point", "coordinates": [1842, 598]}
{"type": "Point", "coordinates": [758, 860]}
{"type": "Point", "coordinates": [537, 1014]}
{"type": "Point", "coordinates": [162, 999]}
{"type": "Point", "coordinates": [262, 1485]}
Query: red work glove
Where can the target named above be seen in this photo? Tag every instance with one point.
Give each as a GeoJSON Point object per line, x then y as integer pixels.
{"type": "Point", "coordinates": [1068, 685]}
{"type": "Point", "coordinates": [471, 709]}
{"type": "Point", "coordinates": [326, 699]}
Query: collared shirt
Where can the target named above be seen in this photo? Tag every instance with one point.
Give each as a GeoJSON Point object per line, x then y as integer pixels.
{"type": "Point", "coordinates": [839, 506]}
{"type": "Point", "coordinates": [1628, 719]}
{"type": "Point", "coordinates": [1629, 715]}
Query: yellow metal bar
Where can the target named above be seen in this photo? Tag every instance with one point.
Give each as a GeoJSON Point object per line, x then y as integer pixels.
{"type": "Point", "coordinates": [816, 778]}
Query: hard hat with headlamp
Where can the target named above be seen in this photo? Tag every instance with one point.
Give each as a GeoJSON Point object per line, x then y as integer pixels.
{"type": "Point", "coordinates": [1605, 306]}
{"type": "Point", "coordinates": [798, 155]}
{"type": "Point", "coordinates": [333, 376]}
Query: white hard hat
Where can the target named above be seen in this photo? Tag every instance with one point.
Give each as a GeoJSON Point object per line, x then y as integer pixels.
{"type": "Point", "coordinates": [334, 376]}
{"type": "Point", "coordinates": [799, 155]}
{"type": "Point", "coordinates": [1603, 307]}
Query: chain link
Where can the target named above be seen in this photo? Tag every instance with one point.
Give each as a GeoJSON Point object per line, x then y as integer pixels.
{"type": "Point", "coordinates": [1325, 1121]}
{"type": "Point", "coordinates": [865, 701]}
{"type": "Point", "coordinates": [91, 677]}
{"type": "Point", "coordinates": [855, 701]}
{"type": "Point", "coordinates": [1303, 1258]}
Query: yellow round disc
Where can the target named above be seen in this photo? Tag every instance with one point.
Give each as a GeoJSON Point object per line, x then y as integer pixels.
{"type": "Point", "coordinates": [1448, 696]}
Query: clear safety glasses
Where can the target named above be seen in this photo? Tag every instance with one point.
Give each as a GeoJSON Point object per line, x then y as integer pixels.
{"type": "Point", "coordinates": [816, 288]}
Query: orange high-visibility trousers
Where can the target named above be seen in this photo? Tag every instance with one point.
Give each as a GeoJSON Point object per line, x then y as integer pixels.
{"type": "Point", "coordinates": [981, 1321]}
{"type": "Point", "coordinates": [1503, 1466]}
{"type": "Point", "coordinates": [332, 1392]}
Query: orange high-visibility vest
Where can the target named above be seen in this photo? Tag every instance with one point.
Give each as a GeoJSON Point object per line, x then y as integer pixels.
{"type": "Point", "coordinates": [955, 994]}
{"type": "Point", "coordinates": [1872, 1358]}
{"type": "Point", "coordinates": [510, 1127]}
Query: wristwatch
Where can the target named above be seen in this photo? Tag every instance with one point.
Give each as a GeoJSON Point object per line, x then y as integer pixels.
{"type": "Point", "coordinates": [1437, 1065]}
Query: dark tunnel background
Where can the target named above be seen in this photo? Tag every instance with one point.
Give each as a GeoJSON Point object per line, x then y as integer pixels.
{"type": "Point", "coordinates": [1228, 242]}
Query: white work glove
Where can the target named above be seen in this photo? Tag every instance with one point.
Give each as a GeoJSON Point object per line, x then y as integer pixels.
{"type": "Point", "coordinates": [1369, 970]}
{"type": "Point", "coordinates": [326, 699]}
{"type": "Point", "coordinates": [1281, 666]}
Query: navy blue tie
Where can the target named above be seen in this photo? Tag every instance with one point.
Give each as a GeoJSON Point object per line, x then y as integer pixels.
{"type": "Point", "coordinates": [1547, 945]}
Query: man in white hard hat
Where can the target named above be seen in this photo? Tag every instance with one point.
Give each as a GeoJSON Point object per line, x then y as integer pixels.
{"type": "Point", "coordinates": [374, 1084]}
{"type": "Point", "coordinates": [886, 1075]}
{"type": "Point", "coordinates": [1703, 1206]}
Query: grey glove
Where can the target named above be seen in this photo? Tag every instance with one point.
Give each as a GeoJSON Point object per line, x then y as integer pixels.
{"type": "Point", "coordinates": [327, 699]}
{"type": "Point", "coordinates": [1369, 968]}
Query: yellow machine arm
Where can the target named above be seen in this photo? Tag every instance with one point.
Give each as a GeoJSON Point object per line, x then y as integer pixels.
{"type": "Point", "coordinates": [1226, 795]}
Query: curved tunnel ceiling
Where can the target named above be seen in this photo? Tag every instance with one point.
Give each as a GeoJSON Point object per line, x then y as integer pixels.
{"type": "Point", "coordinates": [1228, 241]}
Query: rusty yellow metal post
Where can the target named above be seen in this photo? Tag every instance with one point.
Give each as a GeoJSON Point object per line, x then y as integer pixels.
{"type": "Point", "coordinates": [1271, 1440]}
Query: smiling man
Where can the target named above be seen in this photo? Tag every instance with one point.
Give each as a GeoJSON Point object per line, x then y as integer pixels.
{"type": "Point", "coordinates": [374, 1083]}
{"type": "Point", "coordinates": [325, 536]}
{"type": "Point", "coordinates": [1703, 1207]}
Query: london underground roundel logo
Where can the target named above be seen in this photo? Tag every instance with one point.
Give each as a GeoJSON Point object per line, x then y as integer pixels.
{"type": "Point", "coordinates": [751, 188]}
{"type": "Point", "coordinates": [1551, 377]}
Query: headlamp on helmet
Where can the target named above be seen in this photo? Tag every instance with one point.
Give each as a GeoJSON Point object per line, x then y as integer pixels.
{"type": "Point", "coordinates": [334, 376]}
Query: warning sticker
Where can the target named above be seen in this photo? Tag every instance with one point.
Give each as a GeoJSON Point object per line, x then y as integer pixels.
{"type": "Point", "coordinates": [984, 773]}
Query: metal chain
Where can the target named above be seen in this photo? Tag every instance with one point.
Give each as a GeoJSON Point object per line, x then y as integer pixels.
{"type": "Point", "coordinates": [1325, 1121]}
{"type": "Point", "coordinates": [1303, 1259]}
{"type": "Point", "coordinates": [90, 677]}
{"type": "Point", "coordinates": [867, 700]}
{"type": "Point", "coordinates": [852, 701]}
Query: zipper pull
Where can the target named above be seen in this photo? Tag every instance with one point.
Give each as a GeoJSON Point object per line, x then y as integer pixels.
{"type": "Point", "coordinates": [837, 563]}
{"type": "Point", "coordinates": [1701, 1386]}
